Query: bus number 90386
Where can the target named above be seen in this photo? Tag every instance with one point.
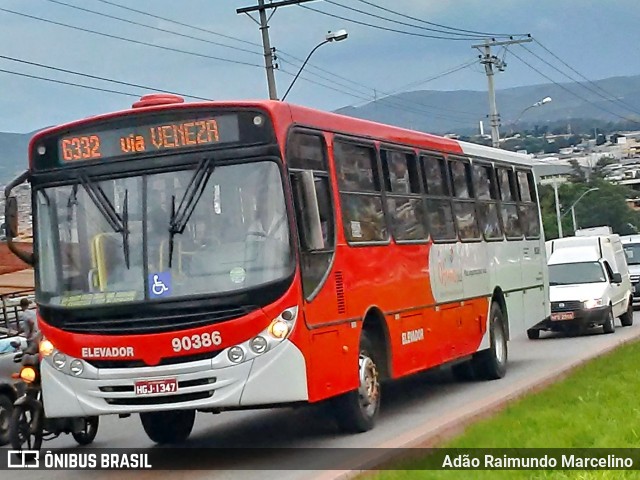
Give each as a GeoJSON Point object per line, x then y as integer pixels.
{"type": "Point", "coordinates": [195, 342]}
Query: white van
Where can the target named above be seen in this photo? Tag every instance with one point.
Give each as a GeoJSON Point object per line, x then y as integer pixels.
{"type": "Point", "coordinates": [589, 284]}
{"type": "Point", "coordinates": [631, 245]}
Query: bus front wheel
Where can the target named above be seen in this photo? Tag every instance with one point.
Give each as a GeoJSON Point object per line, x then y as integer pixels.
{"type": "Point", "coordinates": [356, 411]}
{"type": "Point", "coordinates": [491, 364]}
{"type": "Point", "coordinates": [168, 427]}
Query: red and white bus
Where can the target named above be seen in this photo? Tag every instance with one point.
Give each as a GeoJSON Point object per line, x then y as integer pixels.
{"type": "Point", "coordinates": [232, 255]}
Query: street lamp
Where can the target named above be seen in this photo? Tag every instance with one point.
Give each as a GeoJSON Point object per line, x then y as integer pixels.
{"type": "Point", "coordinates": [544, 101]}
{"type": "Point", "coordinates": [572, 208]}
{"type": "Point", "coordinates": [331, 37]}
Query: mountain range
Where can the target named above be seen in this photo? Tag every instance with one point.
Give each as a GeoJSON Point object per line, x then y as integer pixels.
{"type": "Point", "coordinates": [460, 111]}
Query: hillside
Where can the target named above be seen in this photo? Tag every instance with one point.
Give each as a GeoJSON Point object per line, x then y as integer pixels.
{"type": "Point", "coordinates": [460, 111]}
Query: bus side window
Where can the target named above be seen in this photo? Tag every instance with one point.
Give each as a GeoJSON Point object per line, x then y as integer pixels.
{"type": "Point", "coordinates": [404, 202]}
{"type": "Point", "coordinates": [464, 207]}
{"type": "Point", "coordinates": [360, 192]}
{"type": "Point", "coordinates": [484, 184]}
{"type": "Point", "coordinates": [509, 207]}
{"type": "Point", "coordinates": [307, 160]}
{"type": "Point", "coordinates": [529, 217]}
{"type": "Point", "coordinates": [439, 211]}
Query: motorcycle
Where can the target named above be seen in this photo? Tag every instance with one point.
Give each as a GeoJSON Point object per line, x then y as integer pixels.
{"type": "Point", "coordinates": [29, 425]}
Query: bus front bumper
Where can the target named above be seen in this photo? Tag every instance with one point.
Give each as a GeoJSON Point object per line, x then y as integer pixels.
{"type": "Point", "coordinates": [277, 376]}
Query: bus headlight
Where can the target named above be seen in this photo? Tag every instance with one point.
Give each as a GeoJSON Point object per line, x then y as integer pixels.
{"type": "Point", "coordinates": [46, 348]}
{"type": "Point", "coordinates": [279, 329]}
{"type": "Point", "coordinates": [259, 344]}
{"type": "Point", "coordinates": [59, 360]}
{"type": "Point", "coordinates": [236, 354]}
{"type": "Point", "coordinates": [76, 367]}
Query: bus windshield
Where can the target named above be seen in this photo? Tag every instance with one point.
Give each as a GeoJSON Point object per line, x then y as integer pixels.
{"type": "Point", "coordinates": [115, 240]}
{"type": "Point", "coordinates": [575, 273]}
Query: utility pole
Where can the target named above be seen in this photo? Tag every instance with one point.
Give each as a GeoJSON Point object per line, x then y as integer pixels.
{"type": "Point", "coordinates": [489, 60]}
{"type": "Point", "coordinates": [558, 216]}
{"type": "Point", "coordinates": [261, 8]}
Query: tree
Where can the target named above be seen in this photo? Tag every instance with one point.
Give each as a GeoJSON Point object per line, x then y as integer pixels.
{"type": "Point", "coordinates": [606, 206]}
{"type": "Point", "coordinates": [601, 163]}
{"type": "Point", "coordinates": [577, 174]}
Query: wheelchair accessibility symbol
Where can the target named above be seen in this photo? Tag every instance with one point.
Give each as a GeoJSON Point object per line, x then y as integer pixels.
{"type": "Point", "coordinates": [159, 284]}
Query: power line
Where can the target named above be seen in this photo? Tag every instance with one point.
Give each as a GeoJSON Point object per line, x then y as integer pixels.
{"type": "Point", "coordinates": [380, 17]}
{"type": "Point", "coordinates": [170, 20]}
{"type": "Point", "coordinates": [455, 69]}
{"type": "Point", "coordinates": [609, 96]}
{"type": "Point", "coordinates": [405, 107]}
{"type": "Point", "coordinates": [62, 82]}
{"type": "Point", "coordinates": [570, 91]}
{"type": "Point", "coordinates": [138, 42]}
{"type": "Point", "coordinates": [96, 77]}
{"type": "Point", "coordinates": [132, 22]}
{"type": "Point", "coordinates": [281, 52]}
{"type": "Point", "coordinates": [390, 29]}
{"type": "Point", "coordinates": [369, 98]}
{"type": "Point", "coordinates": [488, 34]}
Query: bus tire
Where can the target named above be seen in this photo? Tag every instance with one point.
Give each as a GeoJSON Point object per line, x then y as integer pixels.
{"type": "Point", "coordinates": [626, 319]}
{"type": "Point", "coordinates": [533, 334]}
{"type": "Point", "coordinates": [491, 364]}
{"type": "Point", "coordinates": [357, 411]}
{"type": "Point", "coordinates": [168, 427]}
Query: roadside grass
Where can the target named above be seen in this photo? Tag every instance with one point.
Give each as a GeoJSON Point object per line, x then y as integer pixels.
{"type": "Point", "coordinates": [596, 406]}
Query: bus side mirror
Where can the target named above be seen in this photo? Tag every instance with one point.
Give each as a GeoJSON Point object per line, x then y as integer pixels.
{"type": "Point", "coordinates": [616, 278]}
{"type": "Point", "coordinates": [11, 217]}
{"type": "Point", "coordinates": [309, 217]}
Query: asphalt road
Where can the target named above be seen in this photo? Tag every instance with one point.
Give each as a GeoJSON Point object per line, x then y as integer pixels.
{"type": "Point", "coordinates": [413, 410]}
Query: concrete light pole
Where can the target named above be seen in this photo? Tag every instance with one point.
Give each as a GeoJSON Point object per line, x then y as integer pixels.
{"type": "Point", "coordinates": [572, 208]}
{"type": "Point", "coordinates": [544, 101]}
{"type": "Point", "coordinates": [266, 43]}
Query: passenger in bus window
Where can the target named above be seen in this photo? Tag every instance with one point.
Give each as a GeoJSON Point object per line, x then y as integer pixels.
{"type": "Point", "coordinates": [483, 184]}
{"type": "Point", "coordinates": [399, 174]}
{"type": "Point", "coordinates": [460, 179]}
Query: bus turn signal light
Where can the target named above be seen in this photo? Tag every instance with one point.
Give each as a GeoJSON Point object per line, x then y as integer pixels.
{"type": "Point", "coordinates": [279, 329]}
{"type": "Point", "coordinates": [46, 348]}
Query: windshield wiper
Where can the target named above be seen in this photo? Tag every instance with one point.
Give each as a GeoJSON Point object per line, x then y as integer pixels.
{"type": "Point", "coordinates": [180, 216]}
{"type": "Point", "coordinates": [125, 228]}
{"type": "Point", "coordinates": [108, 211]}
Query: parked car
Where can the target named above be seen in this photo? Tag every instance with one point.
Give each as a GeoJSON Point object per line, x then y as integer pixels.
{"type": "Point", "coordinates": [8, 385]}
{"type": "Point", "coordinates": [589, 284]}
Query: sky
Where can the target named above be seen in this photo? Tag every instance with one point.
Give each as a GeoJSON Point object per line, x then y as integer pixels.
{"type": "Point", "coordinates": [597, 39]}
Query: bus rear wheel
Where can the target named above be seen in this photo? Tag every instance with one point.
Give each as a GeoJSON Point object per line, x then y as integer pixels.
{"type": "Point", "coordinates": [357, 411]}
{"type": "Point", "coordinates": [168, 427]}
{"type": "Point", "coordinates": [491, 364]}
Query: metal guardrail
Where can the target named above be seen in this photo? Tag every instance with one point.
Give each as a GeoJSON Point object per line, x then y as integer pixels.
{"type": "Point", "coordinates": [10, 304]}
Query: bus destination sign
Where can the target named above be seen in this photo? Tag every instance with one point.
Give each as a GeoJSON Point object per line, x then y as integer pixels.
{"type": "Point", "coordinates": [157, 137]}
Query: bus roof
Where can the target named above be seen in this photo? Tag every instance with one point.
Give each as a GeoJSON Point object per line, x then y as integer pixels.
{"type": "Point", "coordinates": [305, 116]}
